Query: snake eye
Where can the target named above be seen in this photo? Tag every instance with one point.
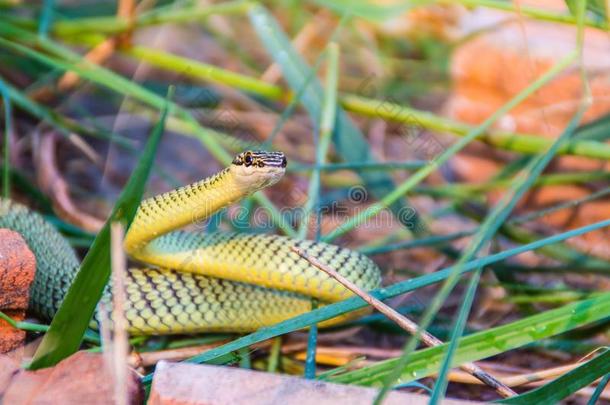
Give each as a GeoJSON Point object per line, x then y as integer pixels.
{"type": "Point", "coordinates": [248, 160]}
{"type": "Point", "coordinates": [284, 161]}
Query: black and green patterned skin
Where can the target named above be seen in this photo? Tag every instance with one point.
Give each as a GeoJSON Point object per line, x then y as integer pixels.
{"type": "Point", "coordinates": [56, 261]}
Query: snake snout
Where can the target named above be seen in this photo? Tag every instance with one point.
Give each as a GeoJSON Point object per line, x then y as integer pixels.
{"type": "Point", "coordinates": [258, 169]}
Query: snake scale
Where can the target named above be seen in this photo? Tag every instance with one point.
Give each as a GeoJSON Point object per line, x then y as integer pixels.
{"type": "Point", "coordinates": [191, 282]}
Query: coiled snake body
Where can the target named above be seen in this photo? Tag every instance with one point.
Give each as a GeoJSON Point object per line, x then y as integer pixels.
{"type": "Point", "coordinates": [199, 282]}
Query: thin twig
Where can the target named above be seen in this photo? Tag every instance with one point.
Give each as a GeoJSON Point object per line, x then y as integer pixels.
{"type": "Point", "coordinates": [406, 323]}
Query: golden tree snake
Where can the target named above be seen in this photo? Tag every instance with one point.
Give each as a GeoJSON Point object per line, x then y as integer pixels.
{"type": "Point", "coordinates": [188, 282]}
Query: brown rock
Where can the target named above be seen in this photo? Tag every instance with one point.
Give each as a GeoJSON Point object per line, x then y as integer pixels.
{"type": "Point", "coordinates": [17, 270]}
{"type": "Point", "coordinates": [80, 379]}
{"type": "Point", "coordinates": [193, 384]}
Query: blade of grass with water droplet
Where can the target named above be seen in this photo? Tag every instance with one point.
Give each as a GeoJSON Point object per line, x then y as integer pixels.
{"type": "Point", "coordinates": [6, 157]}
{"type": "Point", "coordinates": [487, 343]}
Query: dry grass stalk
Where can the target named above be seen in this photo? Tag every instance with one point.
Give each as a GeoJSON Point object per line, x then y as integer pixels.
{"type": "Point", "coordinates": [120, 346]}
{"type": "Point", "coordinates": [52, 184]}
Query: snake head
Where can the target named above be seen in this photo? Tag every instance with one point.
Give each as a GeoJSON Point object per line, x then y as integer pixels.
{"type": "Point", "coordinates": [258, 169]}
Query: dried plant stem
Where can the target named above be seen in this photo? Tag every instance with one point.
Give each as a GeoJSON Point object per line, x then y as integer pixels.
{"type": "Point", "coordinates": [126, 9]}
{"type": "Point", "coordinates": [97, 55]}
{"type": "Point", "coordinates": [146, 359]}
{"type": "Point", "coordinates": [101, 52]}
{"type": "Point", "coordinates": [406, 323]}
{"type": "Point", "coordinates": [53, 184]}
{"type": "Point", "coordinates": [120, 345]}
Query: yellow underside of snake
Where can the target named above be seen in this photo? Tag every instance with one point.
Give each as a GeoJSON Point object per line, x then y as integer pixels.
{"type": "Point", "coordinates": [194, 282]}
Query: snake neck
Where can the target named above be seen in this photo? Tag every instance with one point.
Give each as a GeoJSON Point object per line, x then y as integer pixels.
{"type": "Point", "coordinates": [175, 209]}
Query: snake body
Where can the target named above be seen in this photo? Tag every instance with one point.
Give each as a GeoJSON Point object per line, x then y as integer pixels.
{"type": "Point", "coordinates": [193, 282]}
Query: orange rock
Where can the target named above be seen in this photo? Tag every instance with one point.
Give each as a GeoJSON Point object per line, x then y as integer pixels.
{"type": "Point", "coordinates": [17, 270]}
{"type": "Point", "coordinates": [80, 379]}
{"type": "Point", "coordinates": [494, 66]}
{"type": "Point", "coordinates": [193, 384]}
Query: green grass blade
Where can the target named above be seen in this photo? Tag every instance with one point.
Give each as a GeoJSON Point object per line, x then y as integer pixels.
{"type": "Point", "coordinates": [599, 390]}
{"type": "Point", "coordinates": [206, 71]}
{"type": "Point", "coordinates": [331, 167]}
{"type": "Point", "coordinates": [160, 15]}
{"type": "Point", "coordinates": [596, 130]}
{"type": "Point", "coordinates": [6, 156]}
{"type": "Point", "coordinates": [415, 243]}
{"type": "Point", "coordinates": [564, 386]}
{"type": "Point", "coordinates": [327, 125]}
{"type": "Point", "coordinates": [64, 125]}
{"type": "Point", "coordinates": [74, 27]}
{"type": "Point", "coordinates": [73, 317]}
{"type": "Point", "coordinates": [522, 143]}
{"type": "Point", "coordinates": [486, 343]}
{"type": "Point", "coordinates": [546, 180]}
{"type": "Point", "coordinates": [352, 304]}
{"type": "Point", "coordinates": [90, 336]}
{"type": "Point", "coordinates": [312, 345]}
{"type": "Point", "coordinates": [531, 216]}
{"type": "Point", "coordinates": [274, 355]}
{"type": "Point", "coordinates": [366, 9]}
{"type": "Point", "coordinates": [349, 142]}
{"type": "Point", "coordinates": [456, 333]}
{"type": "Point", "coordinates": [46, 17]}
{"type": "Point", "coordinates": [562, 252]}
{"type": "Point", "coordinates": [533, 12]}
